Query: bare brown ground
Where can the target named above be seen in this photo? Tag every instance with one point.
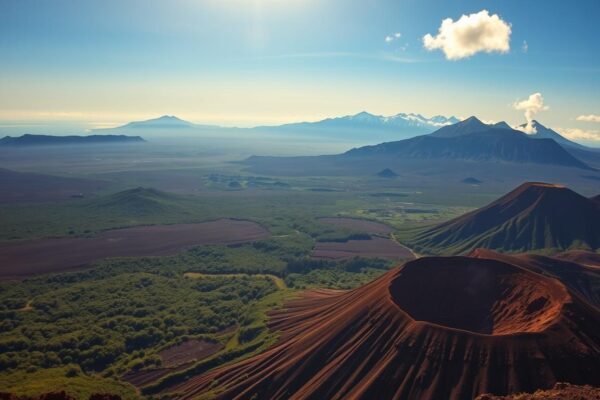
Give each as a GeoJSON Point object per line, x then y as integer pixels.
{"type": "Point", "coordinates": [510, 330]}
{"type": "Point", "coordinates": [22, 259]}
{"type": "Point", "coordinates": [376, 247]}
{"type": "Point", "coordinates": [358, 224]}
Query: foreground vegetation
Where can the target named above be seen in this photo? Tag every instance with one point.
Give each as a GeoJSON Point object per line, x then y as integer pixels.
{"type": "Point", "coordinates": [69, 378]}
{"type": "Point", "coordinates": [85, 330]}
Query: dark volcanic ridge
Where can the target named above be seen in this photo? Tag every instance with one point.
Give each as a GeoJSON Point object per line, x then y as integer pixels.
{"type": "Point", "coordinates": [473, 140]}
{"type": "Point", "coordinates": [469, 141]}
{"type": "Point", "coordinates": [435, 328]}
{"type": "Point", "coordinates": [534, 216]}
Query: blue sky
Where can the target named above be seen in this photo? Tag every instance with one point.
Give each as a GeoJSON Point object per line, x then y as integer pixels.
{"type": "Point", "coordinates": [251, 62]}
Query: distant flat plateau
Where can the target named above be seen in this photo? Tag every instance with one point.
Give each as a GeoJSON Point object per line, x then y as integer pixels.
{"type": "Point", "coordinates": [27, 258]}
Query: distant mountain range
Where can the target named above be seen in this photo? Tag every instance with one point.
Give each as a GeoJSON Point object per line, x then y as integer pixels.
{"type": "Point", "coordinates": [402, 125]}
{"type": "Point", "coordinates": [363, 124]}
{"type": "Point", "coordinates": [498, 154]}
{"type": "Point", "coordinates": [471, 139]}
{"type": "Point", "coordinates": [47, 140]}
{"type": "Point", "coordinates": [523, 220]}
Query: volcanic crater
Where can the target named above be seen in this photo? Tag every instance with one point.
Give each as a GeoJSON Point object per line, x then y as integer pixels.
{"type": "Point", "coordinates": [480, 296]}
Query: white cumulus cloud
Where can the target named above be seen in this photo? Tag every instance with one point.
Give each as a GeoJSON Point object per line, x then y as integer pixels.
{"type": "Point", "coordinates": [391, 38]}
{"type": "Point", "coordinates": [589, 118]}
{"type": "Point", "coordinates": [580, 134]}
{"type": "Point", "coordinates": [533, 105]}
{"type": "Point", "coordinates": [469, 35]}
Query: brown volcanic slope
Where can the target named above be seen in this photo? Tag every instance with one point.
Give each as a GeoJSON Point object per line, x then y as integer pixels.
{"type": "Point", "coordinates": [533, 216]}
{"type": "Point", "coordinates": [435, 328]}
{"type": "Point", "coordinates": [581, 278]}
{"type": "Point", "coordinates": [586, 258]}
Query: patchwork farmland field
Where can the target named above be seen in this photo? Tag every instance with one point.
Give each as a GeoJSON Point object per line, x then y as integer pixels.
{"type": "Point", "coordinates": [27, 258]}
{"type": "Point", "coordinates": [376, 247]}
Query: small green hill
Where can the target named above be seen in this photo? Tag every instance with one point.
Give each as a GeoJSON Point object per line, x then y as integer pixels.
{"type": "Point", "coordinates": [387, 173]}
{"type": "Point", "coordinates": [137, 202]}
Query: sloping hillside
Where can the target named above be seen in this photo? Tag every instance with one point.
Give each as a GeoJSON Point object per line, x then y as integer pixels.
{"type": "Point", "coordinates": [534, 216]}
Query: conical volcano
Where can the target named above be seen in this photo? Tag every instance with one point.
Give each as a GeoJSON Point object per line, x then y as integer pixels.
{"type": "Point", "coordinates": [533, 216]}
{"type": "Point", "coordinates": [435, 328]}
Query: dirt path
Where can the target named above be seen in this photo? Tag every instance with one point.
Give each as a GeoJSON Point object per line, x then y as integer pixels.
{"type": "Point", "coordinates": [28, 306]}
{"type": "Point", "coordinates": [415, 255]}
{"type": "Point", "coordinates": [280, 283]}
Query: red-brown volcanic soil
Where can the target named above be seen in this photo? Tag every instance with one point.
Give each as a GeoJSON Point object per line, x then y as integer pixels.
{"type": "Point", "coordinates": [582, 280]}
{"type": "Point", "coordinates": [358, 224]}
{"type": "Point", "coordinates": [587, 258]}
{"type": "Point", "coordinates": [435, 328]}
{"type": "Point", "coordinates": [375, 247]}
{"type": "Point", "coordinates": [26, 258]}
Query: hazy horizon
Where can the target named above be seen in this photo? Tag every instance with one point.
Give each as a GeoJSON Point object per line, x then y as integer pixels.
{"type": "Point", "coordinates": [251, 63]}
